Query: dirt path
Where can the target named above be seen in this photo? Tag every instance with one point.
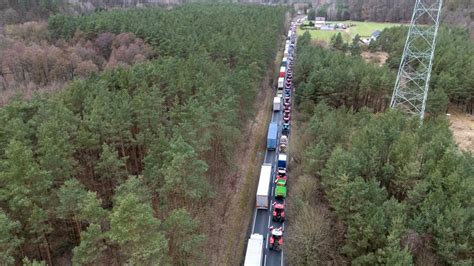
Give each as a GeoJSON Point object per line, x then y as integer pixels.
{"type": "Point", "coordinates": [462, 126]}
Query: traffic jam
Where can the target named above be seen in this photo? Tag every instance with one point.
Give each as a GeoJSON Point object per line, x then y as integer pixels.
{"type": "Point", "coordinates": [272, 186]}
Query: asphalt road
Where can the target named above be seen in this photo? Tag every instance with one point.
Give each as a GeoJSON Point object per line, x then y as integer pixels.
{"type": "Point", "coordinates": [262, 219]}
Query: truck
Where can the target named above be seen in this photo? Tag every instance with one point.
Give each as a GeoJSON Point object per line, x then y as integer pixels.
{"type": "Point", "coordinates": [281, 83]}
{"type": "Point", "coordinates": [262, 198]}
{"type": "Point", "coordinates": [272, 137]}
{"type": "Point", "coordinates": [282, 160]}
{"type": "Point", "coordinates": [282, 72]}
{"type": "Point", "coordinates": [254, 254]}
{"type": "Point", "coordinates": [276, 103]}
{"type": "Point", "coordinates": [283, 69]}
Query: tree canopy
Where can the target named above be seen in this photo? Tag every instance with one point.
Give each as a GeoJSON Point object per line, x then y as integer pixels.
{"type": "Point", "coordinates": [117, 165]}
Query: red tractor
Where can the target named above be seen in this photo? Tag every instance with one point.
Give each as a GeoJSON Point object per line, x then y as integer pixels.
{"type": "Point", "coordinates": [278, 212]}
{"type": "Point", "coordinates": [276, 238]}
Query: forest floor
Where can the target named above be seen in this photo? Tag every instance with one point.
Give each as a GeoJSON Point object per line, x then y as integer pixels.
{"type": "Point", "coordinates": [462, 126]}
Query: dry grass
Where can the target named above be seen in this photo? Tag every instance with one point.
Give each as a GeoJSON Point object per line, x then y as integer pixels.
{"type": "Point", "coordinates": [462, 126]}
{"type": "Point", "coordinates": [378, 58]}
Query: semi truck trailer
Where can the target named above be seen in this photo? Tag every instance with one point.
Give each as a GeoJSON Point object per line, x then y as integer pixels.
{"type": "Point", "coordinates": [262, 199]}
{"type": "Point", "coordinates": [272, 136]}
{"type": "Point", "coordinates": [254, 254]}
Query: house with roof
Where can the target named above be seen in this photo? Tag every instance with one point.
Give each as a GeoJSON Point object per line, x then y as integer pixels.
{"type": "Point", "coordinates": [375, 35]}
{"type": "Point", "coordinates": [319, 22]}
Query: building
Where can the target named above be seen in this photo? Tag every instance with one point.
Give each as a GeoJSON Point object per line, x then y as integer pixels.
{"type": "Point", "coordinates": [319, 22]}
{"type": "Point", "coordinates": [327, 27]}
{"type": "Point", "coordinates": [375, 35]}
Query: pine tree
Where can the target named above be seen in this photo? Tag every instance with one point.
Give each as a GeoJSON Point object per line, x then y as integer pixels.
{"type": "Point", "coordinates": [184, 239]}
{"type": "Point", "coordinates": [184, 175]}
{"type": "Point", "coordinates": [92, 246]}
{"type": "Point", "coordinates": [9, 243]}
{"type": "Point", "coordinates": [136, 232]}
{"type": "Point", "coordinates": [355, 46]}
{"type": "Point", "coordinates": [111, 170]}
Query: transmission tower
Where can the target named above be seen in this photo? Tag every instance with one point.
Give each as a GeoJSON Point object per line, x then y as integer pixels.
{"type": "Point", "coordinates": [411, 86]}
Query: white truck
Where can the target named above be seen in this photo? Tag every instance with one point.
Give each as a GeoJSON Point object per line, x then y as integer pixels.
{"type": "Point", "coordinates": [262, 199]}
{"type": "Point", "coordinates": [276, 103]}
{"type": "Point", "coordinates": [281, 83]}
{"type": "Point", "coordinates": [254, 254]}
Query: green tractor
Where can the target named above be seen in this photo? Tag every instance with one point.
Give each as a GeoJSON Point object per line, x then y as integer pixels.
{"type": "Point", "coordinates": [280, 188]}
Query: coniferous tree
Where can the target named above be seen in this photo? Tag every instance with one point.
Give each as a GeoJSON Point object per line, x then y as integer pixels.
{"type": "Point", "coordinates": [9, 243]}
{"type": "Point", "coordinates": [183, 237]}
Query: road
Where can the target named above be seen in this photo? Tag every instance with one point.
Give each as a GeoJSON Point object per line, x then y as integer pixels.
{"type": "Point", "coordinates": [262, 219]}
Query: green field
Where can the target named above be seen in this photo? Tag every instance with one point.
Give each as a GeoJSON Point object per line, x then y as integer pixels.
{"type": "Point", "coordinates": [361, 28]}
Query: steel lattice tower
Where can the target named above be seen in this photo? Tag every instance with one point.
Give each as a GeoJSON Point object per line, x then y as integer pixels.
{"type": "Point", "coordinates": [411, 87]}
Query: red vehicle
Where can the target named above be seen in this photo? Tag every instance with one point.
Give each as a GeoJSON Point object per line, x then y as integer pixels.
{"type": "Point", "coordinates": [286, 116]}
{"type": "Point", "coordinates": [278, 212]}
{"type": "Point", "coordinates": [276, 238]}
{"type": "Point", "coordinates": [282, 75]}
{"type": "Point", "coordinates": [281, 174]}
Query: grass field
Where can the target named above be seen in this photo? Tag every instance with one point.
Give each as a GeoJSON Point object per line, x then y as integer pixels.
{"type": "Point", "coordinates": [361, 28]}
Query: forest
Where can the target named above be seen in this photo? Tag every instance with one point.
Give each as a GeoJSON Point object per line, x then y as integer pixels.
{"type": "Point", "coordinates": [453, 65]}
{"type": "Point", "coordinates": [339, 79]}
{"type": "Point", "coordinates": [118, 167]}
{"type": "Point", "coordinates": [31, 57]}
{"type": "Point", "coordinates": [373, 188]}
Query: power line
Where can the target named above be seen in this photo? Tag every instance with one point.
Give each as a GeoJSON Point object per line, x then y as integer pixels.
{"type": "Point", "coordinates": [412, 84]}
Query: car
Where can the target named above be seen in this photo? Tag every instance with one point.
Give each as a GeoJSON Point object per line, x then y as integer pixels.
{"type": "Point", "coordinates": [285, 129]}
{"type": "Point", "coordinates": [287, 107]}
{"type": "Point", "coordinates": [286, 116]}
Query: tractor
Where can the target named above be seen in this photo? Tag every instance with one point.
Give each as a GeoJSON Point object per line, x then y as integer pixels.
{"type": "Point", "coordinates": [280, 188]}
{"type": "Point", "coordinates": [276, 238]}
{"type": "Point", "coordinates": [278, 212]}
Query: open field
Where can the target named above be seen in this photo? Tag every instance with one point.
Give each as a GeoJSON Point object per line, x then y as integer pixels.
{"type": "Point", "coordinates": [362, 28]}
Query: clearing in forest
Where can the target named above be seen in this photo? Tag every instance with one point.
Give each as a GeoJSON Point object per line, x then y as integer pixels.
{"type": "Point", "coordinates": [462, 125]}
{"type": "Point", "coordinates": [363, 28]}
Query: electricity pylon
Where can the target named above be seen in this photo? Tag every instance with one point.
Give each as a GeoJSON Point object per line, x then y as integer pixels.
{"type": "Point", "coordinates": [411, 87]}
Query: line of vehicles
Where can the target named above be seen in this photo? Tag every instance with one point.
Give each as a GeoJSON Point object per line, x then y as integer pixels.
{"type": "Point", "coordinates": [277, 140]}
